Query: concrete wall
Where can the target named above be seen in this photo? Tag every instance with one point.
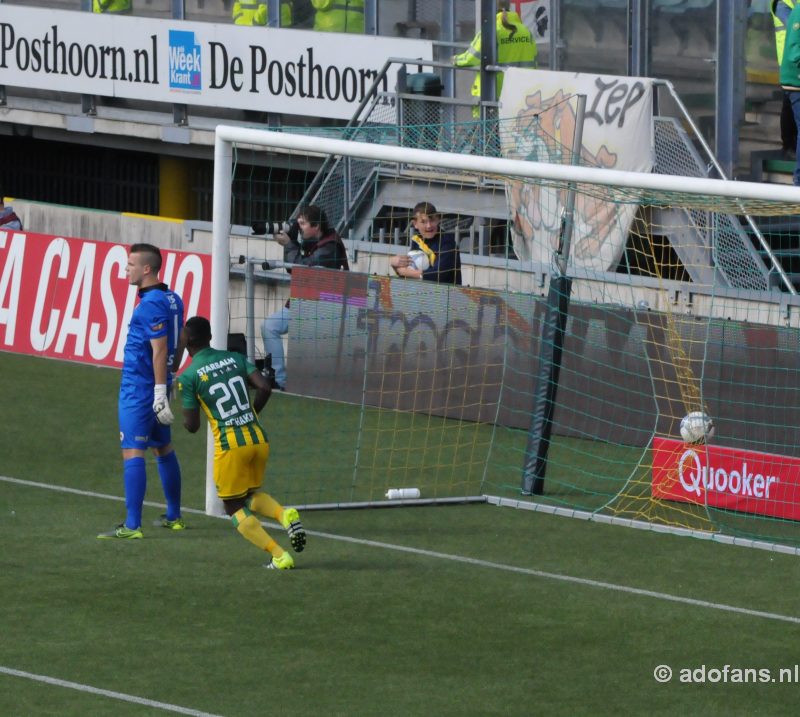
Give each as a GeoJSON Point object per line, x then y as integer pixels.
{"type": "Point", "coordinates": [100, 226]}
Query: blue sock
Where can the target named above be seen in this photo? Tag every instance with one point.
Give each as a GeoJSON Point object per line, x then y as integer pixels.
{"type": "Point", "coordinates": [170, 471]}
{"type": "Point", "coordinates": [134, 475]}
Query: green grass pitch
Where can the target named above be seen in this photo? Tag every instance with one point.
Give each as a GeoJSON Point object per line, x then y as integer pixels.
{"type": "Point", "coordinates": [457, 610]}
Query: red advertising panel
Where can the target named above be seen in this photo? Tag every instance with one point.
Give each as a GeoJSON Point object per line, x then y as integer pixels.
{"type": "Point", "coordinates": [69, 298]}
{"type": "Point", "coordinates": [729, 478]}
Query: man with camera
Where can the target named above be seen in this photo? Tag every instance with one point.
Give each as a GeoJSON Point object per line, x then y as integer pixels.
{"type": "Point", "coordinates": [308, 241]}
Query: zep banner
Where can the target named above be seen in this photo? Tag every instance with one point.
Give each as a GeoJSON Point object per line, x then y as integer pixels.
{"type": "Point", "coordinates": [299, 72]}
{"type": "Point", "coordinates": [70, 298]}
{"type": "Point", "coordinates": [538, 123]}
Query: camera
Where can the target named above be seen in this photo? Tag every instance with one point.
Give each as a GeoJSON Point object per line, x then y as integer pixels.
{"type": "Point", "coordinates": [292, 228]}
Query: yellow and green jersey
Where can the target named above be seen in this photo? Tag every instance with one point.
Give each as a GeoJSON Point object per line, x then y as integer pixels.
{"type": "Point", "coordinates": [216, 381]}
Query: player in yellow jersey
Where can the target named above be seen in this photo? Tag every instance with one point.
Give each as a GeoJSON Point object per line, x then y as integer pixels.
{"type": "Point", "coordinates": [217, 381]}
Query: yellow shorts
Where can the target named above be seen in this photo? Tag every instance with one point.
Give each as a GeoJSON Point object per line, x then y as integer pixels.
{"type": "Point", "coordinates": [240, 470]}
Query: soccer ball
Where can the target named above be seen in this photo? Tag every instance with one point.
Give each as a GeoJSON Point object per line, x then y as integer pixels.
{"type": "Point", "coordinates": [696, 427]}
{"type": "Point", "coordinates": [419, 260]}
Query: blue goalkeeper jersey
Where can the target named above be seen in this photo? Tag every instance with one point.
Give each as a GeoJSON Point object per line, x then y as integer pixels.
{"type": "Point", "coordinates": [159, 313]}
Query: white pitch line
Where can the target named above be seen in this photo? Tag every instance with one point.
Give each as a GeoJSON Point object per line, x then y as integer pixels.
{"type": "Point", "coordinates": [106, 693]}
{"type": "Point", "coordinates": [565, 578]}
{"type": "Point", "coordinates": [475, 561]}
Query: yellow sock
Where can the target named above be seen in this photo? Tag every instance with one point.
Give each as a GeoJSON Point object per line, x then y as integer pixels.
{"type": "Point", "coordinates": [265, 504]}
{"type": "Point", "coordinates": [249, 527]}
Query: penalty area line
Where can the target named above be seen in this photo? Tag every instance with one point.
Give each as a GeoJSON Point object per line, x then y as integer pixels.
{"type": "Point", "coordinates": [105, 693]}
{"type": "Point", "coordinates": [560, 577]}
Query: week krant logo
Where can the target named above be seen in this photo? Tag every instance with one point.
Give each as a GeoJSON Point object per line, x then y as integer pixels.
{"type": "Point", "coordinates": [185, 66]}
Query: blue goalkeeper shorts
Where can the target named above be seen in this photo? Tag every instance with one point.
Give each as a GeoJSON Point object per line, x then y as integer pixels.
{"type": "Point", "coordinates": [139, 428]}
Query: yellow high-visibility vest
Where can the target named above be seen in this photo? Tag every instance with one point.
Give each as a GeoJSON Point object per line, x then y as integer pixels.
{"type": "Point", "coordinates": [514, 47]}
{"type": "Point", "coordinates": [119, 7]}
{"type": "Point", "coordinates": [253, 12]}
{"type": "Point", "coordinates": [780, 28]}
{"type": "Point", "coordinates": [339, 15]}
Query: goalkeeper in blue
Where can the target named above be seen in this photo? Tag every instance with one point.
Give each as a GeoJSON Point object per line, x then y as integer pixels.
{"type": "Point", "coordinates": [217, 382]}
{"type": "Point", "coordinates": [151, 357]}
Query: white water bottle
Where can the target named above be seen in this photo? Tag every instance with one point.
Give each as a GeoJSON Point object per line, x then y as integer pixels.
{"type": "Point", "coordinates": [402, 493]}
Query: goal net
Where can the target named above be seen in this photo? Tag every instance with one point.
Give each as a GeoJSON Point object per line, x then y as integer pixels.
{"type": "Point", "coordinates": [669, 301]}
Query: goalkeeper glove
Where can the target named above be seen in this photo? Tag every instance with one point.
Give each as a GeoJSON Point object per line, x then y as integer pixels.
{"type": "Point", "coordinates": [161, 405]}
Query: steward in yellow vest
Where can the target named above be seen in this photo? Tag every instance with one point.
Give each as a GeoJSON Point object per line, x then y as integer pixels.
{"type": "Point", "coordinates": [339, 15]}
{"type": "Point", "coordinates": [515, 46]}
{"type": "Point", "coordinates": [255, 13]}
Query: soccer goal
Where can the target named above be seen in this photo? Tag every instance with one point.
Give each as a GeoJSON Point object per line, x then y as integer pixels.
{"type": "Point", "coordinates": [667, 300]}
